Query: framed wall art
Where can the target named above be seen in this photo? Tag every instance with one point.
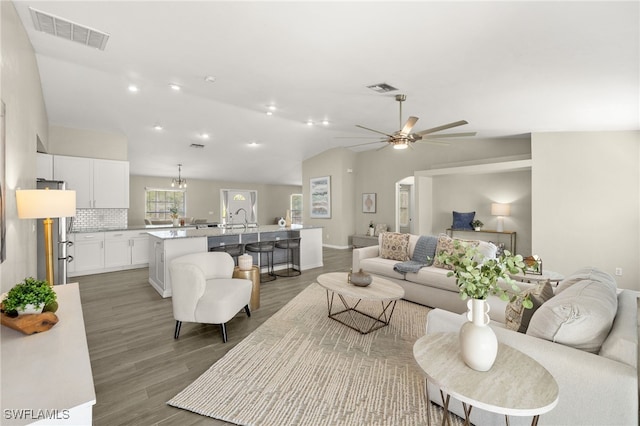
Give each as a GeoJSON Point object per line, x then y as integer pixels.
{"type": "Point", "coordinates": [320, 190]}
{"type": "Point", "coordinates": [369, 202]}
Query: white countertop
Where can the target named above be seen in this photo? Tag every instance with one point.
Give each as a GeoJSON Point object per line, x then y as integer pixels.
{"type": "Point", "coordinates": [215, 232]}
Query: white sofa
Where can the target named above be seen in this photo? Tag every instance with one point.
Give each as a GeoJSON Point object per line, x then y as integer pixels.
{"type": "Point", "coordinates": [430, 286]}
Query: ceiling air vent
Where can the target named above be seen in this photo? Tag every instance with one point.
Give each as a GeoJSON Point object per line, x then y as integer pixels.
{"type": "Point", "coordinates": [382, 88]}
{"type": "Point", "coordinates": [196, 145]}
{"type": "Point", "coordinates": [56, 26]}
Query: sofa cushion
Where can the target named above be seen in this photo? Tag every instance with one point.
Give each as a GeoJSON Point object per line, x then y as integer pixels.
{"type": "Point", "coordinates": [395, 246]}
{"type": "Point", "coordinates": [586, 273]}
{"type": "Point", "coordinates": [463, 220]}
{"type": "Point", "coordinates": [517, 317]}
{"type": "Point", "coordinates": [381, 267]}
{"type": "Point", "coordinates": [446, 245]}
{"type": "Point", "coordinates": [579, 316]}
{"type": "Point", "coordinates": [487, 250]}
{"type": "Point", "coordinates": [434, 277]}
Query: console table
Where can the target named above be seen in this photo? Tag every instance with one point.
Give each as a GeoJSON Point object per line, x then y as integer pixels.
{"type": "Point", "coordinates": [359, 240]}
{"type": "Point", "coordinates": [47, 376]}
{"type": "Point", "coordinates": [510, 234]}
{"type": "Point", "coordinates": [516, 384]}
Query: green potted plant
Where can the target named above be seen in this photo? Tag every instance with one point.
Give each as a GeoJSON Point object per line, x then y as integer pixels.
{"type": "Point", "coordinates": [371, 228]}
{"type": "Point", "coordinates": [173, 210]}
{"type": "Point", "coordinates": [477, 224]}
{"type": "Point", "coordinates": [31, 296]}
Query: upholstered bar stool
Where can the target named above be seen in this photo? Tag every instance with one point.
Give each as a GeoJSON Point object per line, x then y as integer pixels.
{"type": "Point", "coordinates": [264, 247]}
{"type": "Point", "coordinates": [234, 250]}
{"type": "Point", "coordinates": [291, 245]}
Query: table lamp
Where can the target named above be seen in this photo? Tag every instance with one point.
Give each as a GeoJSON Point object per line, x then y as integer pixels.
{"type": "Point", "coordinates": [46, 204]}
{"type": "Point", "coordinates": [500, 210]}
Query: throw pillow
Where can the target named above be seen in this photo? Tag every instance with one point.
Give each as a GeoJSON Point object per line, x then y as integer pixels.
{"type": "Point", "coordinates": [394, 246]}
{"type": "Point", "coordinates": [487, 250]}
{"type": "Point", "coordinates": [446, 245]}
{"type": "Point", "coordinates": [580, 316]}
{"type": "Point", "coordinates": [517, 316]}
{"type": "Point", "coordinates": [463, 220]}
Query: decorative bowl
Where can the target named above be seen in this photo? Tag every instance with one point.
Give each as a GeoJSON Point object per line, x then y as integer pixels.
{"type": "Point", "coordinates": [361, 278]}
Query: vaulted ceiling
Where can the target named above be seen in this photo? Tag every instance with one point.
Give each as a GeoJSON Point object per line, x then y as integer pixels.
{"type": "Point", "coordinates": [508, 68]}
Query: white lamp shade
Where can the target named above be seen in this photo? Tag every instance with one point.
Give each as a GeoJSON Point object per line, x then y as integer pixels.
{"type": "Point", "coordinates": [45, 203]}
{"type": "Point", "coordinates": [498, 209]}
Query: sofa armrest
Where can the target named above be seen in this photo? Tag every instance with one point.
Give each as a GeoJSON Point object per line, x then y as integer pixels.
{"type": "Point", "coordinates": [363, 253]}
{"type": "Point", "coordinates": [593, 389]}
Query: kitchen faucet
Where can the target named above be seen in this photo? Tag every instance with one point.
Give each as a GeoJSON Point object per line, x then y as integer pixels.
{"type": "Point", "coordinates": [246, 223]}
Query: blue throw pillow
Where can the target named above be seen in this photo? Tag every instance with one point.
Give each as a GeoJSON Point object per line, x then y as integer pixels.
{"type": "Point", "coordinates": [463, 220]}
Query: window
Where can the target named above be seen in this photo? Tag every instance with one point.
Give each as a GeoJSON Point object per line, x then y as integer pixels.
{"type": "Point", "coordinates": [296, 209]}
{"type": "Point", "coordinates": [159, 201]}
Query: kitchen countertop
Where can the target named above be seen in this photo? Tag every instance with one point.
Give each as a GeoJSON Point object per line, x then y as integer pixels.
{"type": "Point", "coordinates": [137, 228]}
{"type": "Point", "coordinates": [214, 232]}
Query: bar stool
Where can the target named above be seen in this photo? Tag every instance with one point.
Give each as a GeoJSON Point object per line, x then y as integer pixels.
{"type": "Point", "coordinates": [235, 250]}
{"type": "Point", "coordinates": [290, 244]}
{"type": "Point", "coordinates": [267, 248]}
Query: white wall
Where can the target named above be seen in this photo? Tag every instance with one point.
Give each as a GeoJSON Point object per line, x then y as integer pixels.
{"type": "Point", "coordinates": [26, 120]}
{"type": "Point", "coordinates": [87, 143]}
{"type": "Point", "coordinates": [586, 202]}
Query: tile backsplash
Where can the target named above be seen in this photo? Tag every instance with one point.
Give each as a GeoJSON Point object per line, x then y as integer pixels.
{"type": "Point", "coordinates": [100, 219]}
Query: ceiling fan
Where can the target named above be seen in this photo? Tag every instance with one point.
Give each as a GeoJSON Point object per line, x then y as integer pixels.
{"type": "Point", "coordinates": [403, 138]}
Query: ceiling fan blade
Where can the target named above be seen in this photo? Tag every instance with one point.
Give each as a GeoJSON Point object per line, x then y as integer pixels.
{"type": "Point", "coordinates": [377, 131]}
{"type": "Point", "coordinates": [443, 127]}
{"type": "Point", "coordinates": [366, 143]}
{"type": "Point", "coordinates": [411, 121]}
{"type": "Point", "coordinates": [451, 135]}
{"type": "Point", "coordinates": [383, 147]}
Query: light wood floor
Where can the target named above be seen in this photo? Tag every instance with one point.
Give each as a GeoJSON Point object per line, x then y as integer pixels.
{"type": "Point", "coordinates": [138, 366]}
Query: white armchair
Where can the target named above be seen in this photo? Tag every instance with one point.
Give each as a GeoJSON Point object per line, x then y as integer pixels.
{"type": "Point", "coordinates": [205, 292]}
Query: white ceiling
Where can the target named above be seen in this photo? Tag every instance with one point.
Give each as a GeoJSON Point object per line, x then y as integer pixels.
{"type": "Point", "coordinates": [509, 68]}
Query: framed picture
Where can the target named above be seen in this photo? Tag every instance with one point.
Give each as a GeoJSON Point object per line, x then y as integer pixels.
{"type": "Point", "coordinates": [320, 190]}
{"type": "Point", "coordinates": [369, 202]}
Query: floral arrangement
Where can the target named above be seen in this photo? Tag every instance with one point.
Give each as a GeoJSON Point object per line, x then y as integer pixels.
{"type": "Point", "coordinates": [174, 211]}
{"type": "Point", "coordinates": [477, 278]}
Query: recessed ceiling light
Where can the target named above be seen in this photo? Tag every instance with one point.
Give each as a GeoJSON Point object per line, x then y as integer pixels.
{"type": "Point", "coordinates": [272, 107]}
{"type": "Point", "coordinates": [253, 143]}
{"type": "Point", "coordinates": [325, 122]}
{"type": "Point", "coordinates": [204, 135]}
{"type": "Point", "coordinates": [175, 87]}
{"type": "Point", "coordinates": [269, 113]}
{"type": "Point", "coordinates": [158, 127]}
{"type": "Point", "coordinates": [210, 79]}
{"type": "Point", "coordinates": [310, 123]}
{"type": "Point", "coordinates": [133, 88]}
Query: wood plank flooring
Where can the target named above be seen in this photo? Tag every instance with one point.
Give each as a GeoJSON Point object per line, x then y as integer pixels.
{"type": "Point", "coordinates": [138, 366]}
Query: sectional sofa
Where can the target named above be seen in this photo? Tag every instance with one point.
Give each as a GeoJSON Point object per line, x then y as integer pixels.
{"type": "Point", "coordinates": [585, 335]}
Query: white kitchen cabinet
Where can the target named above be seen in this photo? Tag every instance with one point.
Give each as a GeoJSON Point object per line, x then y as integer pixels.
{"type": "Point", "coordinates": [98, 183]}
{"type": "Point", "coordinates": [162, 252]}
{"type": "Point", "coordinates": [88, 253]}
{"type": "Point", "coordinates": [44, 166]}
{"type": "Point", "coordinates": [125, 248]}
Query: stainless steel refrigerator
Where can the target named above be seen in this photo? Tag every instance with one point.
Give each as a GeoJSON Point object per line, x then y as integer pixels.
{"type": "Point", "coordinates": [60, 230]}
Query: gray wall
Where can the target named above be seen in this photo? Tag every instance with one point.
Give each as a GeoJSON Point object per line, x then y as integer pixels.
{"type": "Point", "coordinates": [203, 197]}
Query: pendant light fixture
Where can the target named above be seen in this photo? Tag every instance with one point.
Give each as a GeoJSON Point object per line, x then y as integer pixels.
{"type": "Point", "coordinates": [180, 183]}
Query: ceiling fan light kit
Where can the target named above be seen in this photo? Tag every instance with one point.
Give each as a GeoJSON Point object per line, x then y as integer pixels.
{"type": "Point", "coordinates": [403, 138]}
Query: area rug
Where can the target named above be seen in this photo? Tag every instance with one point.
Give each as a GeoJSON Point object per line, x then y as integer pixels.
{"type": "Point", "coordinates": [302, 368]}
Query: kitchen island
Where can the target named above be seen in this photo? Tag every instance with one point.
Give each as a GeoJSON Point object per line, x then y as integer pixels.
{"type": "Point", "coordinates": [166, 245]}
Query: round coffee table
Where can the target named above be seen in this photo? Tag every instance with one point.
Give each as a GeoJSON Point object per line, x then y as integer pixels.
{"type": "Point", "coordinates": [516, 384]}
{"type": "Point", "coordinates": [380, 290]}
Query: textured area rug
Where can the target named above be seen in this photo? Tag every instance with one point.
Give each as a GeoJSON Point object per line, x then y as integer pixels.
{"type": "Point", "coordinates": [302, 368]}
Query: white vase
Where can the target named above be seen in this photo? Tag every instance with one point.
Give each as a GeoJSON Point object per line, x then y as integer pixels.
{"type": "Point", "coordinates": [30, 309]}
{"type": "Point", "coordinates": [478, 342]}
{"type": "Point", "coordinates": [176, 222]}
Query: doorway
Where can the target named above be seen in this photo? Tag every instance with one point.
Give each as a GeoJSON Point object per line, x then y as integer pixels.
{"type": "Point", "coordinates": [405, 205]}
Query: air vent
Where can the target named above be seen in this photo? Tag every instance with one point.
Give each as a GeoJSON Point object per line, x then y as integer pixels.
{"type": "Point", "coordinates": [382, 88]}
{"type": "Point", "coordinates": [56, 26]}
{"type": "Point", "coordinates": [196, 145]}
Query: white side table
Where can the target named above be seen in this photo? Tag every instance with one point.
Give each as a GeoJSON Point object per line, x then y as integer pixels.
{"type": "Point", "coordinates": [516, 385]}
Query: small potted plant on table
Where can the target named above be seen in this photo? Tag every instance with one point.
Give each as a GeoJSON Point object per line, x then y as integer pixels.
{"type": "Point", "coordinates": [477, 224]}
{"type": "Point", "coordinates": [173, 210]}
{"type": "Point", "coordinates": [23, 306]}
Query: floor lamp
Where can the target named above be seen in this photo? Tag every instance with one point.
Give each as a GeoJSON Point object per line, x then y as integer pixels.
{"type": "Point", "coordinates": [46, 204]}
{"type": "Point", "coordinates": [500, 210]}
